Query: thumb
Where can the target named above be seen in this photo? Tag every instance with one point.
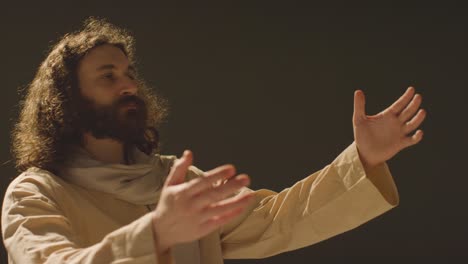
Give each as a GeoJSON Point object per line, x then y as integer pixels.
{"type": "Point", "coordinates": [179, 169]}
{"type": "Point", "coordinates": [359, 106]}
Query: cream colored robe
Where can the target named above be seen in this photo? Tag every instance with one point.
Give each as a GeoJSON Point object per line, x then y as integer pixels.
{"type": "Point", "coordinates": [48, 220]}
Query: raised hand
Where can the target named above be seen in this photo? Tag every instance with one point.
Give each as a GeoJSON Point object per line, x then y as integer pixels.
{"type": "Point", "coordinates": [382, 136]}
{"type": "Point", "coordinates": [190, 210]}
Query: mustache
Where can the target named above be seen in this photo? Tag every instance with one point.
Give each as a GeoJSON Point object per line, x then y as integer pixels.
{"type": "Point", "coordinates": [129, 99]}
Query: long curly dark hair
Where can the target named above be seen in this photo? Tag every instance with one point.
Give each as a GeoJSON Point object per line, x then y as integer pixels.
{"type": "Point", "coordinates": [47, 121]}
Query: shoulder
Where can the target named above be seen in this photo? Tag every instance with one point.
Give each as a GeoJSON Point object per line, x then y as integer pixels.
{"type": "Point", "coordinates": [34, 183]}
{"type": "Point", "coordinates": [165, 161]}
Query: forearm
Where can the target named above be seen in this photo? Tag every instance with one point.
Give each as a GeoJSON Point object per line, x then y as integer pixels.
{"type": "Point", "coordinates": [128, 244]}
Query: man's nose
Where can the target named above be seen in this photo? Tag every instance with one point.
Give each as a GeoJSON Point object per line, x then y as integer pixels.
{"type": "Point", "coordinates": [129, 87]}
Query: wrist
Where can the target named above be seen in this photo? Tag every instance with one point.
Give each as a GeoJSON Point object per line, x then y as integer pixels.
{"type": "Point", "coordinates": [160, 240]}
{"type": "Point", "coordinates": [366, 164]}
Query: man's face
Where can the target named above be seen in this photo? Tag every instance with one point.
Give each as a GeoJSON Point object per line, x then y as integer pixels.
{"type": "Point", "coordinates": [110, 107]}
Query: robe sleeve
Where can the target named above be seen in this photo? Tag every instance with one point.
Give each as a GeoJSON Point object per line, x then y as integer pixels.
{"type": "Point", "coordinates": [35, 230]}
{"type": "Point", "coordinates": [333, 200]}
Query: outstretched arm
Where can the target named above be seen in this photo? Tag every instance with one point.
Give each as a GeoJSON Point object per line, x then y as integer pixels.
{"type": "Point", "coordinates": [355, 188]}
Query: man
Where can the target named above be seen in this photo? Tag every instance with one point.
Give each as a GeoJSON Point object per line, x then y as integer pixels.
{"type": "Point", "coordinates": [94, 190]}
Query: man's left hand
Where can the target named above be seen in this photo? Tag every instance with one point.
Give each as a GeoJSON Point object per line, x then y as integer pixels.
{"type": "Point", "coordinates": [382, 136]}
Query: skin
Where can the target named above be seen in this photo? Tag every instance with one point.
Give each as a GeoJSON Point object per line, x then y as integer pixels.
{"type": "Point", "coordinates": [382, 136]}
{"type": "Point", "coordinates": [190, 210]}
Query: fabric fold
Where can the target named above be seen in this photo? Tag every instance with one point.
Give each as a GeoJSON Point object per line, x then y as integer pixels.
{"type": "Point", "coordinates": [139, 183]}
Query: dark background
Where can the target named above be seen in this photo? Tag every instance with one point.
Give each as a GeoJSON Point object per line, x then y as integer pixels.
{"type": "Point", "coordinates": [269, 88]}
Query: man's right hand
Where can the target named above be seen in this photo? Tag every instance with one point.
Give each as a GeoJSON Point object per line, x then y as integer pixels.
{"type": "Point", "coordinates": [190, 210]}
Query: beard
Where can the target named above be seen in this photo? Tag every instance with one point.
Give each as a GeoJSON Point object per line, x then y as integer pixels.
{"type": "Point", "coordinates": [124, 120]}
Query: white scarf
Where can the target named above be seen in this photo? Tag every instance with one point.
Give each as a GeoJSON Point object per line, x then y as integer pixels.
{"type": "Point", "coordinates": [139, 183]}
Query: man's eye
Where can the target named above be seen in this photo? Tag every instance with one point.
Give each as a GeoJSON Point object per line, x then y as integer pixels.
{"type": "Point", "coordinates": [109, 76]}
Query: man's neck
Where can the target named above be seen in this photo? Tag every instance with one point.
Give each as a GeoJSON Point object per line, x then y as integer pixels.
{"type": "Point", "coordinates": [105, 150]}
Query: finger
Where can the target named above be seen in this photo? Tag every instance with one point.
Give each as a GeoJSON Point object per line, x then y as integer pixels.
{"type": "Point", "coordinates": [213, 195]}
{"type": "Point", "coordinates": [225, 206]}
{"type": "Point", "coordinates": [412, 140]}
{"type": "Point", "coordinates": [211, 177]}
{"type": "Point", "coordinates": [415, 121]}
{"type": "Point", "coordinates": [359, 106]}
{"type": "Point", "coordinates": [179, 169]}
{"type": "Point", "coordinates": [401, 103]}
{"type": "Point", "coordinates": [411, 109]}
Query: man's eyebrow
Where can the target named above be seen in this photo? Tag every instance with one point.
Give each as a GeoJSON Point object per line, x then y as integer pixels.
{"type": "Point", "coordinates": [112, 66]}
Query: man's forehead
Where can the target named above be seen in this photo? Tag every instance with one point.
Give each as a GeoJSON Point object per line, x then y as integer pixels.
{"type": "Point", "coordinates": [105, 57]}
